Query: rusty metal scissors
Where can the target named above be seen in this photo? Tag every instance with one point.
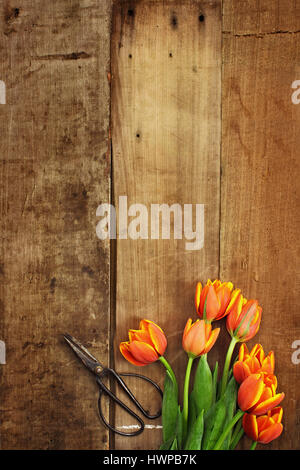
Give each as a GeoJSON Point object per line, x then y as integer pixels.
{"type": "Point", "coordinates": [94, 366]}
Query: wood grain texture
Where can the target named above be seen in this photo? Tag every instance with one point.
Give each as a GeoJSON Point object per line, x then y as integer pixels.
{"type": "Point", "coordinates": [260, 180]}
{"type": "Point", "coordinates": [166, 102]}
{"type": "Point", "coordinates": [54, 171]}
{"type": "Point", "coordinates": [166, 130]}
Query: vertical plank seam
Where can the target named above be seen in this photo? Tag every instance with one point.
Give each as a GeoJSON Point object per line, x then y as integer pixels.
{"type": "Point", "coordinates": [221, 144]}
{"type": "Point", "coordinates": [112, 317]}
{"type": "Point", "coordinates": [113, 245]}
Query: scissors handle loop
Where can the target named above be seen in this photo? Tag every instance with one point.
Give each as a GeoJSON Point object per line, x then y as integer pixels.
{"type": "Point", "coordinates": [118, 378]}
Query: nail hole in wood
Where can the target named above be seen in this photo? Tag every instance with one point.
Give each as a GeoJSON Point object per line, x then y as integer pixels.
{"type": "Point", "coordinates": [174, 22]}
{"type": "Point", "coordinates": [201, 18]}
{"type": "Point", "coordinates": [130, 12]}
{"type": "Point", "coordinates": [130, 56]}
{"type": "Point", "coordinates": [170, 54]}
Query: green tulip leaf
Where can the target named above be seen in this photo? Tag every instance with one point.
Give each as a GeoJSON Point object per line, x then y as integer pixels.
{"type": "Point", "coordinates": [230, 397]}
{"type": "Point", "coordinates": [215, 383]}
{"type": "Point", "coordinates": [202, 393]}
{"type": "Point", "coordinates": [214, 423]}
{"type": "Point", "coordinates": [179, 428]}
{"type": "Point", "coordinates": [169, 408]}
{"type": "Point", "coordinates": [195, 434]}
{"type": "Point", "coordinates": [192, 410]}
{"type": "Point", "coordinates": [174, 445]}
{"type": "Point", "coordinates": [167, 445]}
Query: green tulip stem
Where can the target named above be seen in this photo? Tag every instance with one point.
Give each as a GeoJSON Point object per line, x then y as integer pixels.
{"type": "Point", "coordinates": [227, 429]}
{"type": "Point", "coordinates": [253, 445]}
{"type": "Point", "coordinates": [164, 361]}
{"type": "Point", "coordinates": [185, 411]}
{"type": "Point", "coordinates": [227, 365]}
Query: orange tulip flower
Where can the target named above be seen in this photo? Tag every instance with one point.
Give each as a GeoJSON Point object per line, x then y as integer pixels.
{"type": "Point", "coordinates": [214, 300]}
{"type": "Point", "coordinates": [145, 345]}
{"type": "Point", "coordinates": [198, 338]}
{"type": "Point", "coordinates": [253, 362]}
{"type": "Point", "coordinates": [244, 318]}
{"type": "Point", "coordinates": [257, 394]}
{"type": "Point", "coordinates": [266, 428]}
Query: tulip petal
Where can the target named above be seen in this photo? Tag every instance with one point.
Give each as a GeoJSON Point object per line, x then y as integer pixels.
{"type": "Point", "coordinates": [213, 304]}
{"type": "Point", "coordinates": [266, 394]}
{"type": "Point", "coordinates": [263, 407]}
{"type": "Point", "coordinates": [252, 330]}
{"type": "Point", "coordinates": [232, 321]}
{"type": "Point", "coordinates": [142, 352]}
{"type": "Point", "coordinates": [263, 422]}
{"type": "Point", "coordinates": [128, 356]}
{"type": "Point", "coordinates": [250, 426]}
{"type": "Point", "coordinates": [202, 299]}
{"type": "Point", "coordinates": [246, 318]}
{"type": "Point", "coordinates": [144, 325]}
{"type": "Point", "coordinates": [276, 414]}
{"type": "Point", "coordinates": [250, 391]}
{"type": "Point", "coordinates": [234, 297]}
{"type": "Point", "coordinates": [243, 352]}
{"type": "Point", "coordinates": [224, 296]}
{"type": "Point", "coordinates": [195, 339]}
{"type": "Point", "coordinates": [187, 327]}
{"type": "Point", "coordinates": [257, 351]}
{"type": "Point", "coordinates": [268, 364]}
{"type": "Point", "coordinates": [271, 433]}
{"type": "Point", "coordinates": [271, 381]}
{"type": "Point", "coordinates": [158, 338]}
{"type": "Point", "coordinates": [213, 338]}
{"type": "Point", "coordinates": [207, 328]}
{"type": "Point", "coordinates": [139, 335]}
{"type": "Point", "coordinates": [241, 371]}
{"type": "Point", "coordinates": [198, 295]}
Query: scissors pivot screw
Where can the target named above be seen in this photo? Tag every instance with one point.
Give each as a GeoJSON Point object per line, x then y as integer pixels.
{"type": "Point", "coordinates": [98, 370]}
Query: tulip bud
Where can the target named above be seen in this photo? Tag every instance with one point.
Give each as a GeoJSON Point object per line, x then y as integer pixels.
{"type": "Point", "coordinates": [266, 428]}
{"type": "Point", "coordinates": [257, 394]}
{"type": "Point", "coordinates": [253, 362]}
{"type": "Point", "coordinates": [243, 320]}
{"type": "Point", "coordinates": [145, 345]}
{"type": "Point", "coordinates": [213, 300]}
{"type": "Point", "coordinates": [198, 338]}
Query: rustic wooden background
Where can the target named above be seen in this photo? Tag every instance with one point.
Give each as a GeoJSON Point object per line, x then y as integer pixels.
{"type": "Point", "coordinates": [197, 95]}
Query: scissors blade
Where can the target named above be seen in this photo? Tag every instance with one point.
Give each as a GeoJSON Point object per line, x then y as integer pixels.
{"type": "Point", "coordinates": [83, 354]}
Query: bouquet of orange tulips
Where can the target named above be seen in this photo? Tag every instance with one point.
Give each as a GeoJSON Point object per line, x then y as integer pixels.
{"type": "Point", "coordinates": [215, 413]}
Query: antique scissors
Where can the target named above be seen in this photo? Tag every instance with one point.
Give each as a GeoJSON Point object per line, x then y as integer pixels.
{"type": "Point", "coordinates": [94, 366]}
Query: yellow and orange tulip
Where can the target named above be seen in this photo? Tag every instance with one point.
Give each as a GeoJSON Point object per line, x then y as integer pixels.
{"type": "Point", "coordinates": [243, 319]}
{"type": "Point", "coordinates": [253, 362]}
{"type": "Point", "coordinates": [145, 345]}
{"type": "Point", "coordinates": [198, 338]}
{"type": "Point", "coordinates": [266, 428]}
{"type": "Point", "coordinates": [257, 394]}
{"type": "Point", "coordinates": [214, 299]}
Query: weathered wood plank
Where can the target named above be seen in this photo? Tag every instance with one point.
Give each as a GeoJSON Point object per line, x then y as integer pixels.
{"type": "Point", "coordinates": [54, 171]}
{"type": "Point", "coordinates": [260, 174]}
{"type": "Point", "coordinates": [166, 101]}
